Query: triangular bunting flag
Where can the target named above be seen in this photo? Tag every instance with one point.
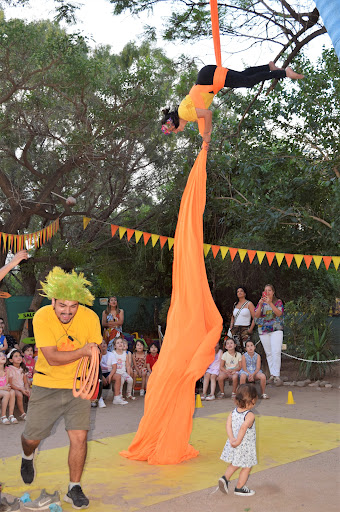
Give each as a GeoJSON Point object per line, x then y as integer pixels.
{"type": "Point", "coordinates": [215, 249]}
{"type": "Point", "coordinates": [129, 233]}
{"type": "Point", "coordinates": [270, 257]}
{"type": "Point", "coordinates": [289, 258]}
{"type": "Point", "coordinates": [279, 257]}
{"type": "Point", "coordinates": [224, 251]}
{"type": "Point", "coordinates": [113, 229]}
{"type": "Point", "coordinates": [298, 259]}
{"type": "Point", "coordinates": [251, 255]}
{"type": "Point", "coordinates": [4, 240]}
{"type": "Point", "coordinates": [260, 256]}
{"type": "Point", "coordinates": [308, 259]}
{"type": "Point", "coordinates": [121, 231]}
{"type": "Point", "coordinates": [327, 261]}
{"type": "Point", "coordinates": [154, 239]}
{"type": "Point", "coordinates": [171, 242]}
{"type": "Point", "coordinates": [232, 252]}
{"type": "Point", "coordinates": [242, 253]}
{"type": "Point", "coordinates": [336, 261]}
{"type": "Point", "coordinates": [86, 221]}
{"type": "Point", "coordinates": [206, 249]}
{"type": "Point", "coordinates": [162, 240]}
{"type": "Point", "coordinates": [317, 261]}
{"type": "Point", "coordinates": [138, 235]}
{"type": "Point", "coordinates": [146, 237]}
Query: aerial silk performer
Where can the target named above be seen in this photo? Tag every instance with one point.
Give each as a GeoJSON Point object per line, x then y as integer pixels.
{"type": "Point", "coordinates": [194, 326]}
{"type": "Point", "coordinates": [330, 13]}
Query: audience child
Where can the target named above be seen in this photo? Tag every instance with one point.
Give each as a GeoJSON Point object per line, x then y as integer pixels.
{"type": "Point", "coordinates": [11, 342]}
{"type": "Point", "coordinates": [230, 365]}
{"type": "Point", "coordinates": [211, 375]}
{"type": "Point", "coordinates": [3, 340]}
{"type": "Point", "coordinates": [240, 449]}
{"type": "Point", "coordinates": [251, 368]}
{"type": "Point", "coordinates": [7, 394]}
{"type": "Point", "coordinates": [129, 355]}
{"type": "Point", "coordinates": [139, 365]}
{"type": "Point", "coordinates": [123, 368]}
{"type": "Point", "coordinates": [17, 378]}
{"type": "Point", "coordinates": [110, 377]}
{"type": "Point", "coordinates": [151, 359]}
{"type": "Point", "coordinates": [29, 361]}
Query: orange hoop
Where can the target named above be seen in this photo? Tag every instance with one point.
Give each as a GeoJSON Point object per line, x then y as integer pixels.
{"type": "Point", "coordinates": [88, 379]}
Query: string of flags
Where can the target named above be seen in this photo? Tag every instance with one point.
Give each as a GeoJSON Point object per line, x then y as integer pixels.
{"type": "Point", "coordinates": [215, 249]}
{"type": "Point", "coordinates": [16, 243]}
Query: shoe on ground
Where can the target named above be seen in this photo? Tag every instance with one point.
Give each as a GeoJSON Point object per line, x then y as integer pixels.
{"type": "Point", "coordinates": [27, 470]}
{"type": "Point", "coordinates": [265, 396]}
{"type": "Point", "coordinates": [223, 484]}
{"type": "Point", "coordinates": [23, 416]}
{"type": "Point", "coordinates": [77, 498]}
{"type": "Point", "coordinates": [12, 419]}
{"type": "Point", "coordinates": [244, 491]}
{"type": "Point", "coordinates": [142, 392]}
{"type": "Point", "coordinates": [210, 397]}
{"type": "Point", "coordinates": [4, 420]}
{"type": "Point", "coordinates": [5, 506]}
{"type": "Point", "coordinates": [44, 501]}
{"type": "Point", "coordinates": [119, 400]}
{"type": "Point", "coordinates": [271, 379]}
{"type": "Point", "coordinates": [277, 381]}
{"type": "Point", "coordinates": [203, 397]}
{"type": "Point", "coordinates": [130, 397]}
{"type": "Point", "coordinates": [220, 396]}
{"type": "Point", "coordinates": [233, 395]}
{"type": "Point", "coordinates": [101, 403]}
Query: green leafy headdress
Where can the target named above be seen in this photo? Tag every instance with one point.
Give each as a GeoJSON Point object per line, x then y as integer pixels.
{"type": "Point", "coordinates": [61, 285]}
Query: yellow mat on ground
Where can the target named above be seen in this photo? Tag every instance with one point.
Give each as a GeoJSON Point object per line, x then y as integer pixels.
{"type": "Point", "coordinates": [114, 483]}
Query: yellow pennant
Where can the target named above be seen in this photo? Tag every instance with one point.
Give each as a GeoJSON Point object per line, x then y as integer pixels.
{"type": "Point", "coordinates": [206, 249]}
{"type": "Point", "coordinates": [242, 254]}
{"type": "Point", "coordinates": [154, 239]}
{"type": "Point", "coordinates": [86, 221]}
{"type": "Point", "coordinates": [138, 235]}
{"type": "Point", "coordinates": [121, 232]}
{"type": "Point", "coordinates": [260, 256]}
{"type": "Point", "coordinates": [298, 259]}
{"type": "Point", "coordinates": [279, 257]}
{"type": "Point", "coordinates": [336, 261]}
{"type": "Point", "coordinates": [317, 261]}
{"type": "Point", "coordinates": [171, 242]}
{"type": "Point", "coordinates": [224, 251]}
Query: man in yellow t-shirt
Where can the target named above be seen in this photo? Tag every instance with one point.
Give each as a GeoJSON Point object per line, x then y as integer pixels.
{"type": "Point", "coordinates": [64, 332]}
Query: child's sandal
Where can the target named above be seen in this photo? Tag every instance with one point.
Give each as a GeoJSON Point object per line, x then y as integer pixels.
{"type": "Point", "coordinates": [130, 397]}
{"type": "Point", "coordinates": [23, 417]}
{"type": "Point", "coordinates": [233, 395]}
{"type": "Point", "coordinates": [4, 420]}
{"type": "Point", "coordinates": [12, 419]}
{"type": "Point", "coordinates": [264, 396]}
{"type": "Point", "coordinates": [220, 396]}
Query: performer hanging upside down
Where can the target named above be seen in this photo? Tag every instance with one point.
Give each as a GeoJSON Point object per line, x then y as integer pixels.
{"type": "Point", "coordinates": [195, 106]}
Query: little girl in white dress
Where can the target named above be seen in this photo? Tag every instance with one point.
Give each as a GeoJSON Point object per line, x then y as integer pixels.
{"type": "Point", "coordinates": [240, 449]}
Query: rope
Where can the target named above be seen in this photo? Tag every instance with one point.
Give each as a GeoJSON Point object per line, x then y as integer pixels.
{"type": "Point", "coordinates": [310, 361]}
{"type": "Point", "coordinates": [88, 380]}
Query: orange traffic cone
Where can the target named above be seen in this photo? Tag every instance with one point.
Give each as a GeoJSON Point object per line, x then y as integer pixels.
{"type": "Point", "coordinates": [290, 400]}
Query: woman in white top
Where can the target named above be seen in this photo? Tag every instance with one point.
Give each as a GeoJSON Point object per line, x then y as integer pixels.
{"type": "Point", "coordinates": [242, 320]}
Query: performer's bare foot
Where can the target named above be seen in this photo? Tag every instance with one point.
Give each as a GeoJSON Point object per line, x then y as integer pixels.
{"type": "Point", "coordinates": [272, 66]}
{"type": "Point", "coordinates": [291, 74]}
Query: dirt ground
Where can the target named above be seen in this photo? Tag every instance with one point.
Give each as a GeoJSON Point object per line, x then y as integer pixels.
{"type": "Point", "coordinates": [309, 484]}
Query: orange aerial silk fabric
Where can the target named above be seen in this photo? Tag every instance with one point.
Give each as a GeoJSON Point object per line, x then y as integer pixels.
{"type": "Point", "coordinates": [194, 326]}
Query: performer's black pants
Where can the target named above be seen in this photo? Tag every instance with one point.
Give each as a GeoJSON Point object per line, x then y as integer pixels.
{"type": "Point", "coordinates": [235, 79]}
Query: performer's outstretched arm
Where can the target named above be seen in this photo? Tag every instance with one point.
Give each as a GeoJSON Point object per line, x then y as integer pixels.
{"type": "Point", "coordinates": [21, 255]}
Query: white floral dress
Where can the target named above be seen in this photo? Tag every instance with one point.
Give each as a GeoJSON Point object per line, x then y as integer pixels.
{"type": "Point", "coordinates": [244, 455]}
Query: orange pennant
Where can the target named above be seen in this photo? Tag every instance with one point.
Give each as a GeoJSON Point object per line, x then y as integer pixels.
{"type": "Point", "coordinates": [308, 259]}
{"type": "Point", "coordinates": [233, 252]}
{"type": "Point", "coordinates": [215, 249]}
{"type": "Point", "coordinates": [113, 229]}
{"type": "Point", "coordinates": [251, 255]}
{"type": "Point", "coordinates": [327, 261]}
{"type": "Point", "coordinates": [162, 240]}
{"type": "Point", "coordinates": [129, 233]}
{"type": "Point", "coordinates": [146, 237]}
{"type": "Point", "coordinates": [270, 257]}
{"type": "Point", "coordinates": [289, 258]}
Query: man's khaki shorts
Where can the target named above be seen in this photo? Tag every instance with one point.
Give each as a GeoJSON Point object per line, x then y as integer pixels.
{"type": "Point", "coordinates": [47, 405]}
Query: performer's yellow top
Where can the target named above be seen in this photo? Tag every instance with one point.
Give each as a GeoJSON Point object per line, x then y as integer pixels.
{"type": "Point", "coordinates": [187, 110]}
{"type": "Point", "coordinates": [49, 332]}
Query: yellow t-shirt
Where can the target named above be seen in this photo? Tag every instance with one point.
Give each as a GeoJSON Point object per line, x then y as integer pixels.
{"type": "Point", "coordinates": [49, 332]}
{"type": "Point", "coordinates": [187, 110]}
{"type": "Point", "coordinates": [231, 362]}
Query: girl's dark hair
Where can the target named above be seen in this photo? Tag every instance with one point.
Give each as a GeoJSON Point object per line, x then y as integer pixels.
{"type": "Point", "coordinates": [170, 115]}
{"type": "Point", "coordinates": [108, 309]}
{"type": "Point", "coordinates": [242, 288]}
{"type": "Point", "coordinates": [22, 364]}
{"type": "Point", "coordinates": [26, 347]}
{"type": "Point", "coordinates": [155, 344]}
{"type": "Point", "coordinates": [138, 340]}
{"type": "Point", "coordinates": [245, 394]}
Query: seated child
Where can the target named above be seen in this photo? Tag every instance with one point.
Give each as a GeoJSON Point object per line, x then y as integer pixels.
{"type": "Point", "coordinates": [251, 368]}
{"type": "Point", "coordinates": [129, 355]}
{"type": "Point", "coordinates": [17, 379]}
{"type": "Point", "coordinates": [3, 340]}
{"type": "Point", "coordinates": [139, 365]}
{"type": "Point", "coordinates": [151, 359]}
{"type": "Point", "coordinates": [211, 375]}
{"type": "Point", "coordinates": [7, 394]}
{"type": "Point", "coordinates": [229, 367]}
{"type": "Point", "coordinates": [123, 367]}
{"type": "Point", "coordinates": [29, 361]}
{"type": "Point", "coordinates": [110, 377]}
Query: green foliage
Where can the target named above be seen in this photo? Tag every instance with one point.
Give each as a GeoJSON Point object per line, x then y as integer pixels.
{"type": "Point", "coordinates": [316, 348]}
